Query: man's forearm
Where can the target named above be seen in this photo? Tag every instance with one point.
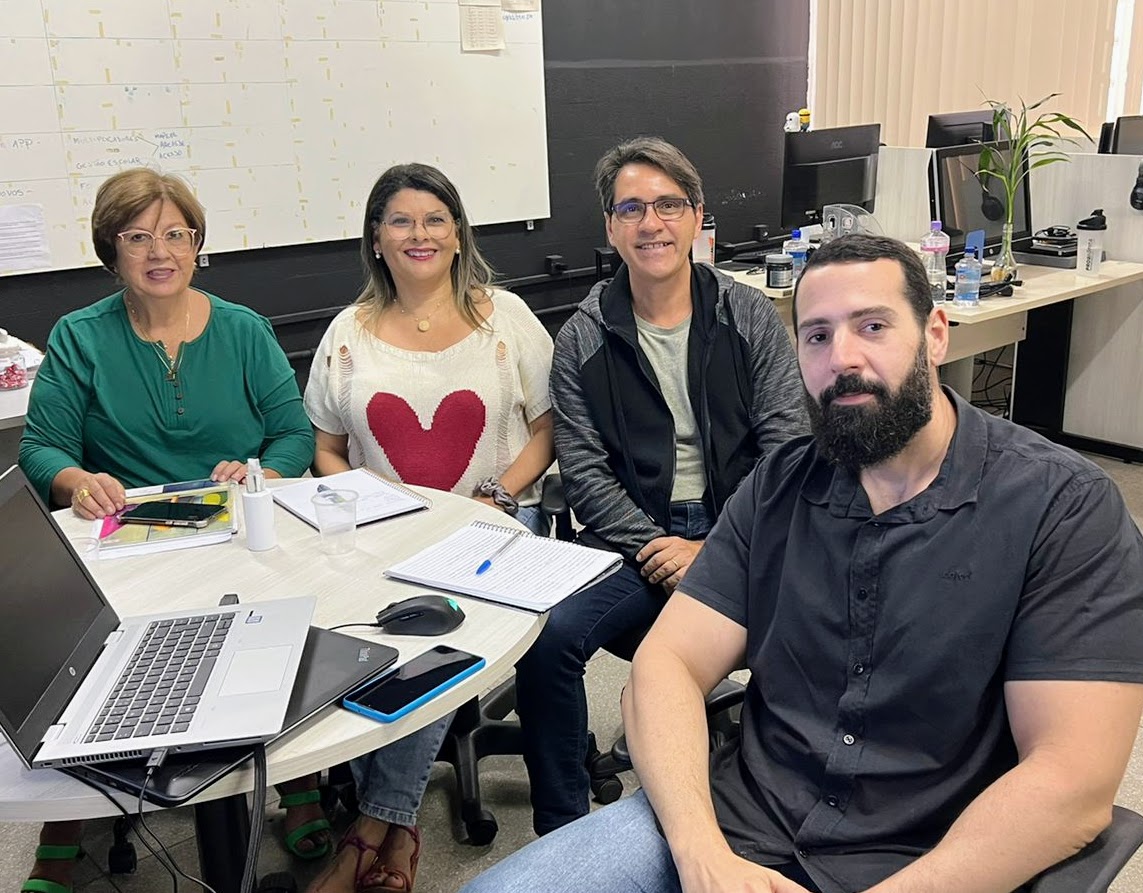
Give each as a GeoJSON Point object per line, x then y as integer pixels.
{"type": "Point", "coordinates": [673, 766]}
{"type": "Point", "coordinates": [1025, 822]}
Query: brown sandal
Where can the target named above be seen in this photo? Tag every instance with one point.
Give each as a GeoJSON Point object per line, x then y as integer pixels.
{"type": "Point", "coordinates": [378, 878]}
{"type": "Point", "coordinates": [360, 871]}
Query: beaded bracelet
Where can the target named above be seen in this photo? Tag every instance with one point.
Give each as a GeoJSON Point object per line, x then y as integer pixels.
{"type": "Point", "coordinates": [493, 488]}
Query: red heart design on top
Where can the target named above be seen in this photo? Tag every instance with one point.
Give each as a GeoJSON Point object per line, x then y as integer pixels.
{"type": "Point", "coordinates": [437, 457]}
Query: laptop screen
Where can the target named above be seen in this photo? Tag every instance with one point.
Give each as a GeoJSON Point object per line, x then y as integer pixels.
{"type": "Point", "coordinates": [54, 620]}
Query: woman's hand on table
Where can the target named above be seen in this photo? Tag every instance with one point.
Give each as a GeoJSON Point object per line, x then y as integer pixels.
{"type": "Point", "coordinates": [97, 496]}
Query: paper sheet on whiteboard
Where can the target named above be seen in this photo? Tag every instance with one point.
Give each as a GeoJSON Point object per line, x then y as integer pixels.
{"type": "Point", "coordinates": [481, 27]}
{"type": "Point", "coordinates": [23, 238]}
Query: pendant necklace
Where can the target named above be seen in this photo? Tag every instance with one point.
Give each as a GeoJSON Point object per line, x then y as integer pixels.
{"type": "Point", "coordinates": [421, 321]}
{"type": "Point", "coordinates": [171, 364]}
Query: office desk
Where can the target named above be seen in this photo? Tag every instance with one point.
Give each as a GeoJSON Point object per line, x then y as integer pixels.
{"type": "Point", "coordinates": [997, 321]}
{"type": "Point", "coordinates": [348, 588]}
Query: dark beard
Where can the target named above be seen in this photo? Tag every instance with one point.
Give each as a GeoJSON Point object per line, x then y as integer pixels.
{"type": "Point", "coordinates": [857, 437]}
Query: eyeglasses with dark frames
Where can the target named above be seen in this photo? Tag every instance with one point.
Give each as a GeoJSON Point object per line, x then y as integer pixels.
{"type": "Point", "coordinates": [632, 212]}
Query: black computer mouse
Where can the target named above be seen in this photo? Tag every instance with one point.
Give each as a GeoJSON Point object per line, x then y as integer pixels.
{"type": "Point", "coordinates": [421, 615]}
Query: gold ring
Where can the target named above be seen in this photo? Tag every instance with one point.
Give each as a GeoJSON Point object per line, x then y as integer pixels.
{"type": "Point", "coordinates": [80, 495]}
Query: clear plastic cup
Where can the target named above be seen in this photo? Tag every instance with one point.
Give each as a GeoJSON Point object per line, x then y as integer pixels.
{"type": "Point", "coordinates": [337, 520]}
{"type": "Point", "coordinates": [86, 547]}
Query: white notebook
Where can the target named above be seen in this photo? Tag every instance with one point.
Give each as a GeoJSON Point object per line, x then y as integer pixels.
{"type": "Point", "coordinates": [377, 498]}
{"type": "Point", "coordinates": [533, 572]}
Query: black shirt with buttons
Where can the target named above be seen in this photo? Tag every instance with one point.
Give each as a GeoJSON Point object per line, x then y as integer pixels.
{"type": "Point", "coordinates": [878, 645]}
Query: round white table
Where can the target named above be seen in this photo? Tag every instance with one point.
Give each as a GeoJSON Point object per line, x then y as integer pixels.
{"type": "Point", "coordinates": [349, 588]}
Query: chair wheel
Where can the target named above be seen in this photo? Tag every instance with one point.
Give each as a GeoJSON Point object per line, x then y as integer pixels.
{"type": "Point", "coordinates": [121, 858]}
{"type": "Point", "coordinates": [607, 790]}
{"type": "Point", "coordinates": [482, 830]}
{"type": "Point", "coordinates": [278, 882]}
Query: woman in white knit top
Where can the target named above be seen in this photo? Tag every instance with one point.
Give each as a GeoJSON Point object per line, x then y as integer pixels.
{"type": "Point", "coordinates": [435, 378]}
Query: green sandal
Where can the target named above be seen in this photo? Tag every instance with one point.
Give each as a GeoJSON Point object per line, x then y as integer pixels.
{"type": "Point", "coordinates": [49, 853]}
{"type": "Point", "coordinates": [300, 833]}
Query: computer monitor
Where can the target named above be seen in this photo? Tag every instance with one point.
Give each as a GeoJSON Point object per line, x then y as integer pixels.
{"type": "Point", "coordinates": [837, 165]}
{"type": "Point", "coordinates": [959, 128]}
{"type": "Point", "coordinates": [1128, 136]}
{"type": "Point", "coordinates": [962, 201]}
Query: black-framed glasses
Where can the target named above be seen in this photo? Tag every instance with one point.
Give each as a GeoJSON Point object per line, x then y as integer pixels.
{"type": "Point", "coordinates": [665, 208]}
{"type": "Point", "coordinates": [437, 225]}
{"type": "Point", "coordinates": [180, 241]}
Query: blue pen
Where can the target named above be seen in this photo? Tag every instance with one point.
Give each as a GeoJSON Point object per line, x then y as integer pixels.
{"type": "Point", "coordinates": [487, 562]}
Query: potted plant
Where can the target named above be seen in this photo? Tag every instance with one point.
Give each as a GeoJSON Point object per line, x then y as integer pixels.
{"type": "Point", "coordinates": [1039, 138]}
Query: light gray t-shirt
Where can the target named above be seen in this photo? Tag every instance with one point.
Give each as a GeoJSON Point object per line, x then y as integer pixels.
{"type": "Point", "coordinates": [666, 350]}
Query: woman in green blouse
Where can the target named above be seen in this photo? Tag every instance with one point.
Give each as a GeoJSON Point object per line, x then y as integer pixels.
{"type": "Point", "coordinates": [158, 382]}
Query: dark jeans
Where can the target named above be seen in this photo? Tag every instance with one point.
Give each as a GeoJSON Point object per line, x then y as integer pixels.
{"type": "Point", "coordinates": [550, 697]}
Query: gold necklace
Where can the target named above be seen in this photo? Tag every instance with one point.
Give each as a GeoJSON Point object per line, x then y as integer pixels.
{"type": "Point", "coordinates": [171, 364]}
{"type": "Point", "coordinates": [421, 321]}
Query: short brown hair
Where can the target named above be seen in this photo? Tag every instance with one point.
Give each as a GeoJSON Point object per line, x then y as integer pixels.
{"type": "Point", "coordinates": [857, 248]}
{"type": "Point", "coordinates": [127, 194]}
{"type": "Point", "coordinates": [651, 150]}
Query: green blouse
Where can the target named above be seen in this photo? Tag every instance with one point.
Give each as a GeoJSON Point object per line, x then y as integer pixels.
{"type": "Point", "coordinates": [102, 401]}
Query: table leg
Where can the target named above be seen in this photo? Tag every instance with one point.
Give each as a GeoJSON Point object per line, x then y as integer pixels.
{"type": "Point", "coordinates": [223, 830]}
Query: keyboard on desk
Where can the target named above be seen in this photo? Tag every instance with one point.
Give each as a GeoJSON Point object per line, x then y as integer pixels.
{"type": "Point", "coordinates": [159, 689]}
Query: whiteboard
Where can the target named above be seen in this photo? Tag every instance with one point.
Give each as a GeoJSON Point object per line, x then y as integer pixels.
{"type": "Point", "coordinates": [280, 113]}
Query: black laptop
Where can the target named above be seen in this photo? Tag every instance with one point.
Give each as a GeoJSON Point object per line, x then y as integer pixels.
{"type": "Point", "coordinates": [332, 664]}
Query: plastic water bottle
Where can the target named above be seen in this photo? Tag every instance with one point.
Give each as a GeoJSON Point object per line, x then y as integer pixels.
{"type": "Point", "coordinates": [1091, 231]}
{"type": "Point", "coordinates": [966, 292]}
{"type": "Point", "coordinates": [798, 249]}
{"type": "Point", "coordinates": [934, 250]}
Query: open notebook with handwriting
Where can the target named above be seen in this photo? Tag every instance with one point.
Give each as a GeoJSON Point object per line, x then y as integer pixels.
{"type": "Point", "coordinates": [521, 570]}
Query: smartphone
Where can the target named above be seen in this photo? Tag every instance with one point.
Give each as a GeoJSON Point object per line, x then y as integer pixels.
{"type": "Point", "coordinates": [412, 684]}
{"type": "Point", "coordinates": [173, 514]}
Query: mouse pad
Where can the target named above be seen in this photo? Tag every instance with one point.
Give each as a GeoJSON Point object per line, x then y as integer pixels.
{"type": "Point", "coordinates": [332, 665]}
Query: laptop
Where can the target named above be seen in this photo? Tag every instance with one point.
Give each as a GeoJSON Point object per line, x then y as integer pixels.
{"type": "Point", "coordinates": [332, 665]}
{"type": "Point", "coordinates": [79, 684]}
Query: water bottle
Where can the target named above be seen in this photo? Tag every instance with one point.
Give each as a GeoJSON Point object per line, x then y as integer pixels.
{"type": "Point", "coordinates": [1090, 248]}
{"type": "Point", "coordinates": [798, 250]}
{"type": "Point", "coordinates": [966, 292]}
{"type": "Point", "coordinates": [934, 250]}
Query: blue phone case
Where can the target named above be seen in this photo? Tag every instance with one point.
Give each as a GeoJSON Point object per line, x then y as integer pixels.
{"type": "Point", "coordinates": [412, 705]}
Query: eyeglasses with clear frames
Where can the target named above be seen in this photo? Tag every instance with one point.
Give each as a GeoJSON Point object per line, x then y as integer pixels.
{"type": "Point", "coordinates": [437, 225]}
{"type": "Point", "coordinates": [633, 212]}
{"type": "Point", "coordinates": [179, 241]}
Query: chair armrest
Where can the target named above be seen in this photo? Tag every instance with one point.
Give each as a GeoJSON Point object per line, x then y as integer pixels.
{"type": "Point", "coordinates": [554, 504]}
{"type": "Point", "coordinates": [1093, 868]}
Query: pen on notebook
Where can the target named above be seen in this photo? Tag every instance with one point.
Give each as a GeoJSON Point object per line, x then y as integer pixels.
{"type": "Point", "coordinates": [487, 562]}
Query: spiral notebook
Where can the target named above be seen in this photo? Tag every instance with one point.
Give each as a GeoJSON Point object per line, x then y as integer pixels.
{"type": "Point", "coordinates": [524, 570]}
{"type": "Point", "coordinates": [377, 498]}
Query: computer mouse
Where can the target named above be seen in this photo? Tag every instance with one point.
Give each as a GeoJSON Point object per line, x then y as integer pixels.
{"type": "Point", "coordinates": [421, 615]}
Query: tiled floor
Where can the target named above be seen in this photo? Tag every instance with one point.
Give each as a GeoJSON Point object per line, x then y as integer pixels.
{"type": "Point", "coordinates": [447, 863]}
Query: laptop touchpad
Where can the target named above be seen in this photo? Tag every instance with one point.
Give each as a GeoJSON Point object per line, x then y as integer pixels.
{"type": "Point", "coordinates": [256, 670]}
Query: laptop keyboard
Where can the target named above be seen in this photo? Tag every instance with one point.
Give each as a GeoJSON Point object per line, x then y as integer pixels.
{"type": "Point", "coordinates": [163, 681]}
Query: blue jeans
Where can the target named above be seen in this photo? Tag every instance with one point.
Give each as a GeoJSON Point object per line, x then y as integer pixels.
{"type": "Point", "coordinates": [391, 780]}
{"type": "Point", "coordinates": [617, 849]}
{"type": "Point", "coordinates": [550, 697]}
{"type": "Point", "coordinates": [534, 519]}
